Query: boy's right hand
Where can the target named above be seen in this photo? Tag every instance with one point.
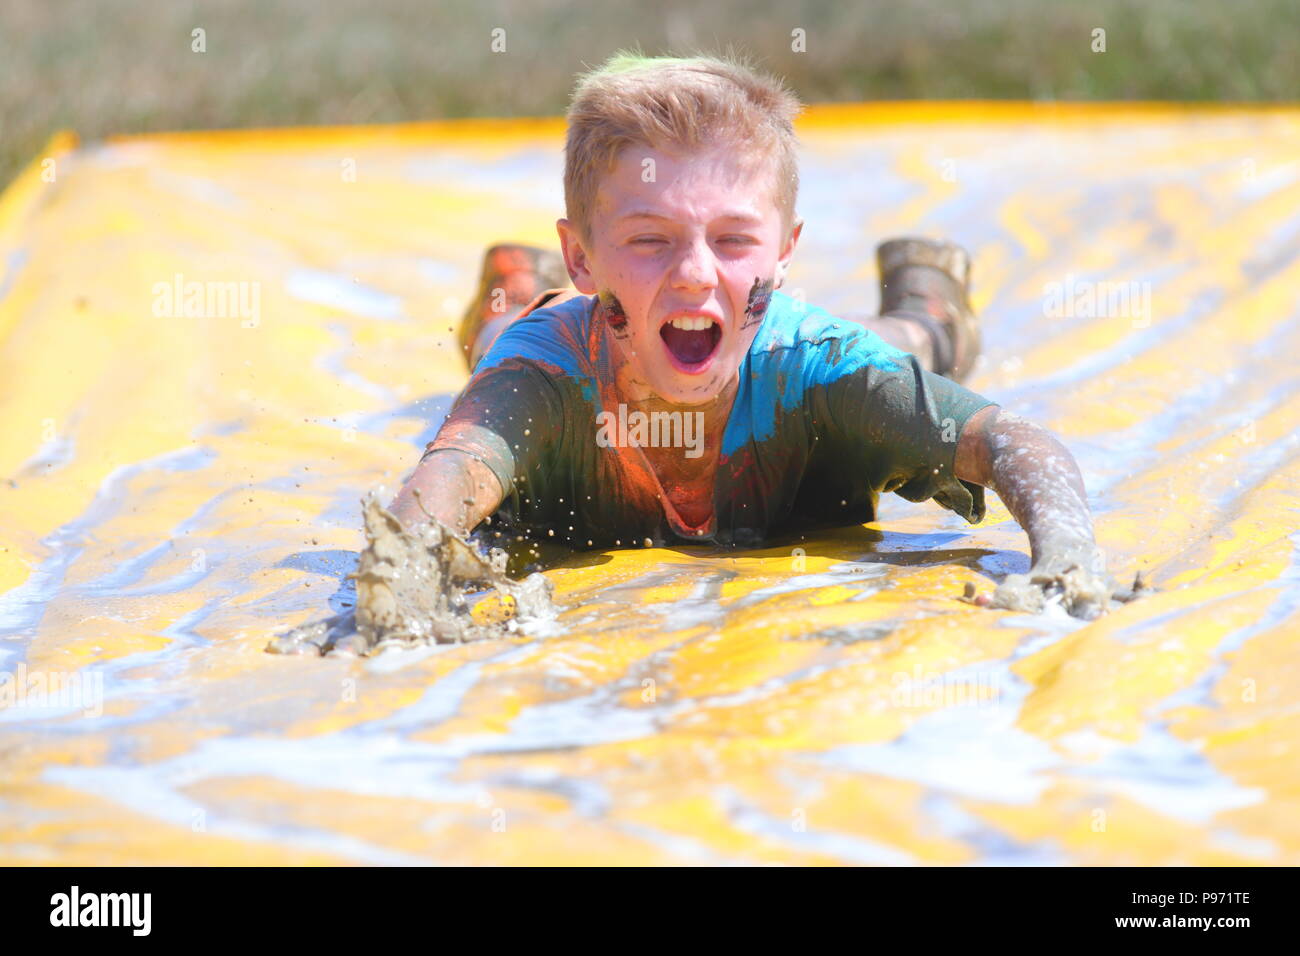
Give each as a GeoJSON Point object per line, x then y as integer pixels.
{"type": "Point", "coordinates": [416, 585]}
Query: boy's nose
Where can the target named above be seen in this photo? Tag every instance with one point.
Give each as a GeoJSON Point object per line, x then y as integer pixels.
{"type": "Point", "coordinates": [696, 268]}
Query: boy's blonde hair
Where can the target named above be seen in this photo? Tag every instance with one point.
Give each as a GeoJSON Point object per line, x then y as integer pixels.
{"type": "Point", "coordinates": [687, 103]}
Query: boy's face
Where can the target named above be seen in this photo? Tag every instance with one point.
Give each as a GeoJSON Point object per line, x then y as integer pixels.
{"type": "Point", "coordinates": [682, 244]}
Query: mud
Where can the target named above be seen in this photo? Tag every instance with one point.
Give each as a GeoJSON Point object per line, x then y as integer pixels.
{"type": "Point", "coordinates": [421, 585]}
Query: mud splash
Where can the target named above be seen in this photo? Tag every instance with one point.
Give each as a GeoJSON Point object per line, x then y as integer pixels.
{"type": "Point", "coordinates": [424, 585]}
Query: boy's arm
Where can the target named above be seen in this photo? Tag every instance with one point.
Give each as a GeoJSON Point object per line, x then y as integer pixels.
{"type": "Point", "coordinates": [456, 488]}
{"type": "Point", "coordinates": [498, 426]}
{"type": "Point", "coordinates": [1037, 479]}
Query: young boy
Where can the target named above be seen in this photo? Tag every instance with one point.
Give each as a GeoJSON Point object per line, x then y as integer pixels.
{"type": "Point", "coordinates": [676, 396]}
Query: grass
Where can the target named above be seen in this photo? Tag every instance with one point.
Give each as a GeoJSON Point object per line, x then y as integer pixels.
{"type": "Point", "coordinates": [127, 66]}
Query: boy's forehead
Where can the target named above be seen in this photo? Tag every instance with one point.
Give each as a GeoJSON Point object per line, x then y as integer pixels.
{"type": "Point", "coordinates": [723, 182]}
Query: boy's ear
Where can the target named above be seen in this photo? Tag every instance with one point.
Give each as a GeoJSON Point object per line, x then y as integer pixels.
{"type": "Point", "coordinates": [575, 257]}
{"type": "Point", "coordinates": [787, 253]}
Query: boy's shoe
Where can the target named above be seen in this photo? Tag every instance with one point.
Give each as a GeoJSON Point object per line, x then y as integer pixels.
{"type": "Point", "coordinates": [520, 273]}
{"type": "Point", "coordinates": [928, 281]}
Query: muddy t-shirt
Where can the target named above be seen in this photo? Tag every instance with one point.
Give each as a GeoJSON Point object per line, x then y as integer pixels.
{"type": "Point", "coordinates": [826, 417]}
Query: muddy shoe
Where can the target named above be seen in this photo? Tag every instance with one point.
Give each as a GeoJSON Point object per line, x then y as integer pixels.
{"type": "Point", "coordinates": [928, 281]}
{"type": "Point", "coordinates": [513, 275]}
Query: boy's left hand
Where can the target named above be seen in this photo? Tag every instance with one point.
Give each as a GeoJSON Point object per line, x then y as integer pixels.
{"type": "Point", "coordinates": [1078, 577]}
{"type": "Point", "coordinates": [1039, 481]}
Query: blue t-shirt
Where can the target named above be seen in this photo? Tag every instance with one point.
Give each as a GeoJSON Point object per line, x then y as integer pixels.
{"type": "Point", "coordinates": [827, 416]}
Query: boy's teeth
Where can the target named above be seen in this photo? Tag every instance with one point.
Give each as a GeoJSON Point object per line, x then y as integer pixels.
{"type": "Point", "coordinates": [691, 339]}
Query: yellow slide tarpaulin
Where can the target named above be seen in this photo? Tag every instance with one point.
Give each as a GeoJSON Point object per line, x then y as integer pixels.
{"type": "Point", "coordinates": [180, 480]}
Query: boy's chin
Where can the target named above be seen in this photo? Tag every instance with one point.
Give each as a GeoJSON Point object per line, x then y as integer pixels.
{"type": "Point", "coordinates": [682, 389]}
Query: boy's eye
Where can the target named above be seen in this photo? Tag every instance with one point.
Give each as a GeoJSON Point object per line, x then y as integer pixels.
{"type": "Point", "coordinates": [661, 241]}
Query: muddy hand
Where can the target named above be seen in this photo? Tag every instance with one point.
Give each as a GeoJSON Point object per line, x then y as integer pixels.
{"type": "Point", "coordinates": [419, 585]}
{"type": "Point", "coordinates": [1078, 579]}
{"type": "Point", "coordinates": [415, 586]}
{"type": "Point", "coordinates": [409, 581]}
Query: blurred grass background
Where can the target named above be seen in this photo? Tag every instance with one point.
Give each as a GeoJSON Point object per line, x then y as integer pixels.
{"type": "Point", "coordinates": [123, 66]}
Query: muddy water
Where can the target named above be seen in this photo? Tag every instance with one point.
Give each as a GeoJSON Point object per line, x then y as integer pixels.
{"type": "Point", "coordinates": [178, 489]}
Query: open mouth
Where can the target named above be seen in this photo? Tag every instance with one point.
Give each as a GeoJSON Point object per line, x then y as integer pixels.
{"type": "Point", "coordinates": [691, 341]}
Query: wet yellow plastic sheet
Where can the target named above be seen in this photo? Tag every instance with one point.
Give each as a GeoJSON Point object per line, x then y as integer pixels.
{"type": "Point", "coordinates": [180, 479]}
